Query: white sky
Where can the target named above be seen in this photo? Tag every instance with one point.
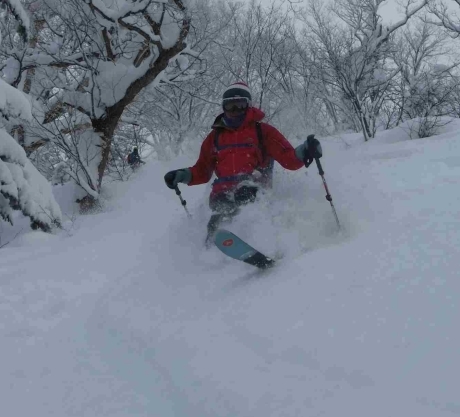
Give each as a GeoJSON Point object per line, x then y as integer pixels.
{"type": "Point", "coordinates": [391, 11]}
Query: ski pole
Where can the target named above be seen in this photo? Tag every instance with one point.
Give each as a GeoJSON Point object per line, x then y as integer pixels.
{"type": "Point", "coordinates": [328, 194]}
{"type": "Point", "coordinates": [183, 202]}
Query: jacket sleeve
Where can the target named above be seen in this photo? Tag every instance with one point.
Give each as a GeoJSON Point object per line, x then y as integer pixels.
{"type": "Point", "coordinates": [204, 167]}
{"type": "Point", "coordinates": [278, 147]}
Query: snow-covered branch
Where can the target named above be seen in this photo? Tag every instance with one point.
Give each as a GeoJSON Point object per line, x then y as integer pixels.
{"type": "Point", "coordinates": [93, 58]}
{"type": "Point", "coordinates": [22, 187]}
{"type": "Point", "coordinates": [444, 16]}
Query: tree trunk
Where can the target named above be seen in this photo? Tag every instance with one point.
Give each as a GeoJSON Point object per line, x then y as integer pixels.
{"type": "Point", "coordinates": [362, 119]}
{"type": "Point", "coordinates": [106, 128]}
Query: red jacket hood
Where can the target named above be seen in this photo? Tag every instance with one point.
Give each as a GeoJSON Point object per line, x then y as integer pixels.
{"type": "Point", "coordinates": [253, 115]}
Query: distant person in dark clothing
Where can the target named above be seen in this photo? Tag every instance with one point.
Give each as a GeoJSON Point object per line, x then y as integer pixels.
{"type": "Point", "coordinates": [134, 160]}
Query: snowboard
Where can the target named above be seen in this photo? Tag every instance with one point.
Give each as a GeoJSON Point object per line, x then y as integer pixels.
{"type": "Point", "coordinates": [236, 248]}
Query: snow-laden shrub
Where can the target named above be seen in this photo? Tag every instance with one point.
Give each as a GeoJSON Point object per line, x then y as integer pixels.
{"type": "Point", "coordinates": [22, 187]}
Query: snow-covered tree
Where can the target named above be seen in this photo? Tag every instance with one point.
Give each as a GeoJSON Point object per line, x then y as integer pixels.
{"type": "Point", "coordinates": [258, 50]}
{"type": "Point", "coordinates": [321, 103]}
{"type": "Point", "coordinates": [22, 187]}
{"type": "Point", "coordinates": [91, 59]}
{"type": "Point", "coordinates": [175, 116]}
{"type": "Point", "coordinates": [445, 14]}
{"type": "Point", "coordinates": [353, 56]}
{"type": "Point", "coordinates": [423, 76]}
{"type": "Point", "coordinates": [178, 115]}
{"type": "Point", "coordinates": [426, 81]}
{"type": "Point", "coordinates": [454, 102]}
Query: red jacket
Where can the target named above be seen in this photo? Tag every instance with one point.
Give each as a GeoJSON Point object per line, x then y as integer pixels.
{"type": "Point", "coordinates": [239, 152]}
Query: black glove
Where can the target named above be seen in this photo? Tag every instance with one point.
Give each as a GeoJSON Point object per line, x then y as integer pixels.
{"type": "Point", "coordinates": [172, 178]}
{"type": "Point", "coordinates": [313, 147]}
{"type": "Point", "coordinates": [309, 150]}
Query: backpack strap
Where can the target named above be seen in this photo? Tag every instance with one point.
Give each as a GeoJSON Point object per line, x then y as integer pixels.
{"type": "Point", "coordinates": [267, 172]}
{"type": "Point", "coordinates": [261, 140]}
{"type": "Point", "coordinates": [216, 139]}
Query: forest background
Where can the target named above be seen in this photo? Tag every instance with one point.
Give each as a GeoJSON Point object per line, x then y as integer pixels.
{"type": "Point", "coordinates": [83, 82]}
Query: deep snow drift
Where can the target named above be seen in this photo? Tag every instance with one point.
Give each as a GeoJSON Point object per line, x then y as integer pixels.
{"type": "Point", "coordinates": [126, 314]}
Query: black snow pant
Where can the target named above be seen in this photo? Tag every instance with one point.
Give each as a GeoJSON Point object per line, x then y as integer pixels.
{"type": "Point", "coordinates": [226, 206]}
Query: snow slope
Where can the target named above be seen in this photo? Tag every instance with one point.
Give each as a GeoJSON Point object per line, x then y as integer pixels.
{"type": "Point", "coordinates": [126, 314]}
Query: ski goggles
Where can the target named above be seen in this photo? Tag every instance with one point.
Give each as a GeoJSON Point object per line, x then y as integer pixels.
{"type": "Point", "coordinates": [235, 104]}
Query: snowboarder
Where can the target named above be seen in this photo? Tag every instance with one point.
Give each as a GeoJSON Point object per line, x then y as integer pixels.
{"type": "Point", "coordinates": [134, 159]}
{"type": "Point", "coordinates": [240, 150]}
